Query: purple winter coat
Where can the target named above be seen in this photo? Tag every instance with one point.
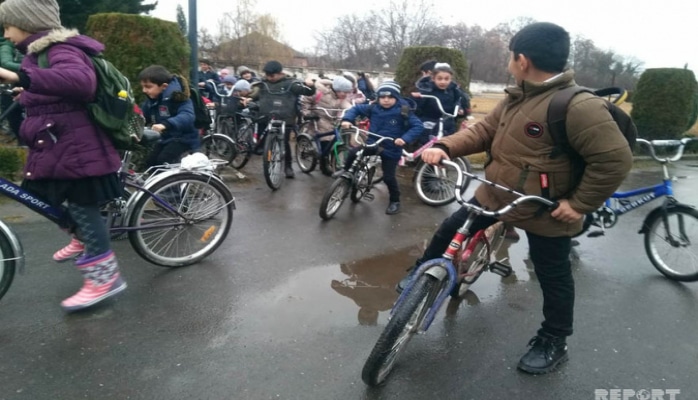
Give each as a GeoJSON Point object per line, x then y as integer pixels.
{"type": "Point", "coordinates": [63, 141]}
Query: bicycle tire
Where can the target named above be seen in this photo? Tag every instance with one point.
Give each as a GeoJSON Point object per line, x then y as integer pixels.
{"type": "Point", "coordinates": [272, 161]}
{"type": "Point", "coordinates": [405, 322]}
{"type": "Point", "coordinates": [306, 155]}
{"type": "Point", "coordinates": [207, 206]}
{"type": "Point", "coordinates": [437, 189]}
{"type": "Point", "coordinates": [334, 197]}
{"type": "Point", "coordinates": [7, 264]}
{"type": "Point", "coordinates": [242, 138]}
{"type": "Point", "coordinates": [220, 146]}
{"type": "Point", "coordinates": [667, 258]}
{"type": "Point", "coordinates": [335, 159]}
{"type": "Point", "coordinates": [362, 183]}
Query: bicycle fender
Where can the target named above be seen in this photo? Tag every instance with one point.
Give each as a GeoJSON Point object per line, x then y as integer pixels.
{"type": "Point", "coordinates": [305, 135]}
{"type": "Point", "coordinates": [668, 205]}
{"type": "Point", "coordinates": [163, 175]}
{"type": "Point", "coordinates": [15, 245]}
{"type": "Point", "coordinates": [438, 272]}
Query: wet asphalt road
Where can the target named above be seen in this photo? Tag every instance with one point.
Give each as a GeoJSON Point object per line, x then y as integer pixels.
{"type": "Point", "coordinates": [290, 307]}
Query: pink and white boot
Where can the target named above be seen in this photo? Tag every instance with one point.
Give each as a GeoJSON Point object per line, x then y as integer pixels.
{"type": "Point", "coordinates": [102, 280]}
{"type": "Point", "coordinates": [69, 252]}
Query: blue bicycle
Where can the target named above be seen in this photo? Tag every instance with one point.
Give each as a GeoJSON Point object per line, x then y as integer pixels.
{"type": "Point", "coordinates": [671, 229]}
{"type": "Point", "coordinates": [468, 255]}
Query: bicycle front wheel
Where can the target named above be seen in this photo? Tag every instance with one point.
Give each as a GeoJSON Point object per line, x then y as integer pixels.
{"type": "Point", "coordinates": [273, 161]}
{"type": "Point", "coordinates": [219, 146]}
{"type": "Point", "coordinates": [672, 246]}
{"type": "Point", "coordinates": [8, 264]}
{"type": "Point", "coordinates": [405, 322]}
{"type": "Point", "coordinates": [169, 239]}
{"type": "Point", "coordinates": [334, 197]}
{"type": "Point", "coordinates": [435, 186]}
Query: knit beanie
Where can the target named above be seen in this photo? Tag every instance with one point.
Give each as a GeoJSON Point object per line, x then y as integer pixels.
{"type": "Point", "coordinates": [242, 86]}
{"type": "Point", "coordinates": [30, 15]}
{"type": "Point", "coordinates": [342, 84]}
{"type": "Point", "coordinates": [389, 88]}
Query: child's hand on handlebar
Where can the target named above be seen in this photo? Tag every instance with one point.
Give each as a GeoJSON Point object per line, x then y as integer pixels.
{"type": "Point", "coordinates": [399, 142]}
{"type": "Point", "coordinates": [345, 125]}
{"type": "Point", "coordinates": [159, 128]}
{"type": "Point", "coordinates": [433, 156]}
{"type": "Point", "coordinates": [416, 95]}
{"type": "Point", "coordinates": [565, 213]}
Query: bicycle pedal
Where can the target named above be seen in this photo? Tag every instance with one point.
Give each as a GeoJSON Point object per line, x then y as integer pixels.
{"type": "Point", "coordinates": [500, 269]}
{"type": "Point", "coordinates": [369, 196]}
{"type": "Point", "coordinates": [595, 234]}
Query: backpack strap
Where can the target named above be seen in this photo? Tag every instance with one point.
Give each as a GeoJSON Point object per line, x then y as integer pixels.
{"type": "Point", "coordinates": [557, 118]}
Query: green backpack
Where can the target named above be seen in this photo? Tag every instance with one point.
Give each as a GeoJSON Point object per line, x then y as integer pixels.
{"type": "Point", "coordinates": [113, 106]}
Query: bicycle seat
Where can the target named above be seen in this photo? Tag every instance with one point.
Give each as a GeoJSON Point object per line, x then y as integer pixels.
{"type": "Point", "coordinates": [311, 118]}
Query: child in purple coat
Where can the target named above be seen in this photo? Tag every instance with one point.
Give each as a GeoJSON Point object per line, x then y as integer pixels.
{"type": "Point", "coordinates": [70, 159]}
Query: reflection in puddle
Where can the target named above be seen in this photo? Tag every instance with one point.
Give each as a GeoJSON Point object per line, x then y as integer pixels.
{"type": "Point", "coordinates": [308, 299]}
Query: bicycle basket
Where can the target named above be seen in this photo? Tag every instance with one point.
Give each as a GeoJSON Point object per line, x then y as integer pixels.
{"type": "Point", "coordinates": [281, 106]}
{"type": "Point", "coordinates": [229, 105]}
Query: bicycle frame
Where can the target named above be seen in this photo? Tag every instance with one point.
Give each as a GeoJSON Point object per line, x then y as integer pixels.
{"type": "Point", "coordinates": [652, 193]}
{"type": "Point", "coordinates": [443, 268]}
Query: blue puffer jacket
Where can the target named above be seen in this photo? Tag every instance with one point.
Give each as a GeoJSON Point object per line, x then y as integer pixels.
{"type": "Point", "coordinates": [174, 109]}
{"type": "Point", "coordinates": [428, 110]}
{"type": "Point", "coordinates": [388, 122]}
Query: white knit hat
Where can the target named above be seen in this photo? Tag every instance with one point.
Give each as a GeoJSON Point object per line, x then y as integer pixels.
{"type": "Point", "coordinates": [30, 15]}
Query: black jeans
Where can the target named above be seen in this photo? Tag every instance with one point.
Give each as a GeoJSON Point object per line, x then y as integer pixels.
{"type": "Point", "coordinates": [551, 261]}
{"type": "Point", "coordinates": [389, 166]}
{"type": "Point", "coordinates": [170, 153]}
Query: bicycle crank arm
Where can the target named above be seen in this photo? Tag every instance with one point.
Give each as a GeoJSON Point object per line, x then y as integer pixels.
{"type": "Point", "coordinates": [369, 196]}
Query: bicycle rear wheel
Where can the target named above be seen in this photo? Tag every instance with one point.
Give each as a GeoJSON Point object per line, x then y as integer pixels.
{"type": "Point", "coordinates": [306, 155]}
{"type": "Point", "coordinates": [673, 247]}
{"type": "Point", "coordinates": [470, 270]}
{"type": "Point", "coordinates": [335, 159]}
{"type": "Point", "coordinates": [243, 142]}
{"type": "Point", "coordinates": [273, 161]}
{"type": "Point", "coordinates": [7, 264]}
{"type": "Point", "coordinates": [219, 146]}
{"type": "Point", "coordinates": [435, 185]}
{"type": "Point", "coordinates": [334, 198]}
{"type": "Point", "coordinates": [362, 183]}
{"type": "Point", "coordinates": [405, 322]}
{"type": "Point", "coordinates": [170, 240]}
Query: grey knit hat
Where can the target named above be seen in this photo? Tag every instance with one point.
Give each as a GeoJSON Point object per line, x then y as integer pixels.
{"type": "Point", "coordinates": [30, 15]}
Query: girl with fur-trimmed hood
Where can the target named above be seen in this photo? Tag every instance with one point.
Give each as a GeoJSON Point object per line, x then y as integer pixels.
{"type": "Point", "coordinates": [70, 159]}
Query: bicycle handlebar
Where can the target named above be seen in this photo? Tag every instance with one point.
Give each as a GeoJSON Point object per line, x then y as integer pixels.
{"type": "Point", "coordinates": [359, 139]}
{"type": "Point", "coordinates": [522, 198]}
{"type": "Point", "coordinates": [438, 103]}
{"type": "Point", "coordinates": [681, 143]}
{"type": "Point", "coordinates": [327, 111]}
{"type": "Point", "coordinates": [215, 89]}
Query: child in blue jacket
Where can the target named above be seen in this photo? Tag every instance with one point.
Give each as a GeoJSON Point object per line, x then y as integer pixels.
{"type": "Point", "coordinates": [441, 85]}
{"type": "Point", "coordinates": [387, 119]}
{"type": "Point", "coordinates": [170, 112]}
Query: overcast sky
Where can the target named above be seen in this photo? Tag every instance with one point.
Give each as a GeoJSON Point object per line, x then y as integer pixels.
{"type": "Point", "coordinates": [660, 33]}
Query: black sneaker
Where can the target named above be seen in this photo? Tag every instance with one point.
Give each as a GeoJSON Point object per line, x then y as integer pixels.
{"type": "Point", "coordinates": [393, 208]}
{"type": "Point", "coordinates": [545, 354]}
{"type": "Point", "coordinates": [289, 172]}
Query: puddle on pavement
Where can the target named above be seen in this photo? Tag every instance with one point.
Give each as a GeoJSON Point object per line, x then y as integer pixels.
{"type": "Point", "coordinates": [359, 292]}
